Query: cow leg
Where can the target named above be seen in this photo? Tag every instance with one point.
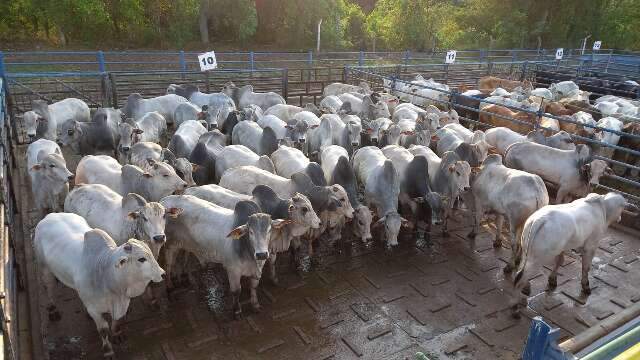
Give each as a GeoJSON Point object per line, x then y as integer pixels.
{"type": "Point", "coordinates": [272, 267]}
{"type": "Point", "coordinates": [499, 223]}
{"type": "Point", "coordinates": [478, 212]}
{"type": "Point", "coordinates": [103, 329]}
{"type": "Point", "coordinates": [170, 259]}
{"type": "Point", "coordinates": [445, 226]}
{"type": "Point", "coordinates": [117, 335]}
{"type": "Point", "coordinates": [49, 282]}
{"type": "Point", "coordinates": [553, 277]}
{"type": "Point", "coordinates": [235, 287]}
{"type": "Point", "coordinates": [562, 193]}
{"type": "Point", "coordinates": [587, 257]}
{"type": "Point", "coordinates": [254, 295]}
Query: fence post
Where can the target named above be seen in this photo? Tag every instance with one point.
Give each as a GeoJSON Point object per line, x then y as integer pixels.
{"type": "Point", "coordinates": [361, 58]}
{"type": "Point", "coordinates": [345, 74]}
{"type": "Point", "coordinates": [114, 91]}
{"type": "Point", "coordinates": [406, 57]}
{"type": "Point", "coordinates": [1, 64]}
{"type": "Point", "coordinates": [183, 62]}
{"type": "Point", "coordinates": [446, 73]}
{"type": "Point", "coordinates": [606, 69]}
{"type": "Point", "coordinates": [101, 65]}
{"type": "Point", "coordinates": [483, 55]}
{"type": "Point", "coordinates": [285, 84]}
{"type": "Point", "coordinates": [251, 61]}
{"type": "Point", "coordinates": [310, 58]}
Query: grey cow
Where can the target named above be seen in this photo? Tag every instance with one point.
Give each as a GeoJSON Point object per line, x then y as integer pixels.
{"type": "Point", "coordinates": [98, 136]}
{"type": "Point", "coordinates": [238, 239]}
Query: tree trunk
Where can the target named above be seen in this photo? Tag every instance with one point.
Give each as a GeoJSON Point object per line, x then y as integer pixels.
{"type": "Point", "coordinates": [204, 21]}
{"type": "Point", "coordinates": [63, 37]}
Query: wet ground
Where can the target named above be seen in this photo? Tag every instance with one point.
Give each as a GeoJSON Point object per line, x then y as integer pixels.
{"type": "Point", "coordinates": [446, 297]}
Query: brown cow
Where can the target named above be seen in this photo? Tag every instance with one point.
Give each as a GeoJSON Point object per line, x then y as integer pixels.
{"type": "Point", "coordinates": [490, 83]}
{"type": "Point", "coordinates": [632, 128]}
{"type": "Point", "coordinates": [497, 114]}
{"type": "Point", "coordinates": [557, 109]}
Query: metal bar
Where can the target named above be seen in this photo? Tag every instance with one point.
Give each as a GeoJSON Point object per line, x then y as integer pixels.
{"type": "Point", "coordinates": [101, 66]}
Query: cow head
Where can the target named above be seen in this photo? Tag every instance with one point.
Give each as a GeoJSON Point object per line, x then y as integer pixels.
{"type": "Point", "coordinates": [354, 129]}
{"type": "Point", "coordinates": [184, 169]}
{"type": "Point", "coordinates": [31, 121]}
{"type": "Point", "coordinates": [53, 168]}
{"type": "Point", "coordinates": [129, 135]}
{"type": "Point", "coordinates": [345, 207]}
{"type": "Point", "coordinates": [593, 171]}
{"type": "Point", "coordinates": [458, 174]}
{"type": "Point", "coordinates": [613, 205]}
{"type": "Point", "coordinates": [362, 223]}
{"type": "Point", "coordinates": [392, 135]}
{"type": "Point", "coordinates": [257, 232]}
{"type": "Point", "coordinates": [70, 134]}
{"type": "Point", "coordinates": [148, 220]}
{"type": "Point", "coordinates": [392, 223]}
{"type": "Point", "coordinates": [134, 265]}
{"type": "Point", "coordinates": [301, 213]}
{"type": "Point", "coordinates": [131, 105]}
{"type": "Point", "coordinates": [163, 180]}
{"type": "Point", "coordinates": [298, 131]}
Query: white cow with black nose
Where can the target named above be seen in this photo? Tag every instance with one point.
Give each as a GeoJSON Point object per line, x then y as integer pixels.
{"type": "Point", "coordinates": [129, 217]}
{"type": "Point", "coordinates": [48, 174]}
{"type": "Point", "coordinates": [104, 275]}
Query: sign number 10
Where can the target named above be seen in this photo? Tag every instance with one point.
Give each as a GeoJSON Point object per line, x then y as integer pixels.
{"type": "Point", "coordinates": [207, 61]}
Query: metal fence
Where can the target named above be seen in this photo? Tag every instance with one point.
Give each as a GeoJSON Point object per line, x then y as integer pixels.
{"type": "Point", "coordinates": [8, 267]}
{"type": "Point", "coordinates": [390, 79]}
{"type": "Point", "coordinates": [12, 62]}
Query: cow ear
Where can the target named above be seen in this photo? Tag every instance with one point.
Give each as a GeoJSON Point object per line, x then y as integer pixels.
{"type": "Point", "coordinates": [147, 175]}
{"type": "Point", "coordinates": [279, 223]}
{"type": "Point", "coordinates": [133, 215]}
{"type": "Point", "coordinates": [379, 222]}
{"type": "Point", "coordinates": [195, 167]}
{"type": "Point", "coordinates": [586, 167]}
{"type": "Point", "coordinates": [419, 200]}
{"type": "Point", "coordinates": [151, 161]}
{"type": "Point", "coordinates": [404, 222]}
{"type": "Point", "coordinates": [452, 168]}
{"type": "Point", "coordinates": [238, 232]}
{"type": "Point", "coordinates": [138, 131]}
{"type": "Point", "coordinates": [123, 260]}
{"type": "Point", "coordinates": [289, 127]}
{"type": "Point", "coordinates": [174, 212]}
{"type": "Point", "coordinates": [313, 126]}
{"type": "Point", "coordinates": [608, 171]}
{"type": "Point", "coordinates": [334, 189]}
{"type": "Point", "coordinates": [291, 208]}
{"type": "Point", "coordinates": [369, 131]}
{"type": "Point", "coordinates": [127, 247]}
{"type": "Point", "coordinates": [36, 167]}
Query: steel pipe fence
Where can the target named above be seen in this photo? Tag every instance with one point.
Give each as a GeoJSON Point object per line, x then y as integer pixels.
{"type": "Point", "coordinates": [381, 79]}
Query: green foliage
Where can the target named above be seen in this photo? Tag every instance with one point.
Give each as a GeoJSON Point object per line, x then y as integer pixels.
{"type": "Point", "coordinates": [346, 24]}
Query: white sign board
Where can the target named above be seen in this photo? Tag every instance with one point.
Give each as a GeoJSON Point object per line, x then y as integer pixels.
{"type": "Point", "coordinates": [451, 57]}
{"type": "Point", "coordinates": [596, 45]}
{"type": "Point", "coordinates": [559, 53]}
{"type": "Point", "coordinates": [207, 61]}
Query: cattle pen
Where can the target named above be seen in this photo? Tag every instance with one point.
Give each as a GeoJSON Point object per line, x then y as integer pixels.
{"type": "Point", "coordinates": [446, 296]}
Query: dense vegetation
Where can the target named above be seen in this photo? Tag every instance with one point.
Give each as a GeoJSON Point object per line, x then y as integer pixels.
{"type": "Point", "coordinates": [291, 24]}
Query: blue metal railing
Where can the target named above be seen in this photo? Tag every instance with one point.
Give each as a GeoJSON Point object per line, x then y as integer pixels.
{"type": "Point", "coordinates": [102, 61]}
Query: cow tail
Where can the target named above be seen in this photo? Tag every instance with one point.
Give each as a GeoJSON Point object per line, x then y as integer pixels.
{"type": "Point", "coordinates": [521, 258]}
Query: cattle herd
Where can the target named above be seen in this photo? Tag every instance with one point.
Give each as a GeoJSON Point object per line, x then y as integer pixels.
{"type": "Point", "coordinates": [237, 177]}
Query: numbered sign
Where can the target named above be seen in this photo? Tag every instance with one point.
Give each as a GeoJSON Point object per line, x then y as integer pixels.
{"type": "Point", "coordinates": [207, 61]}
{"type": "Point", "coordinates": [597, 44]}
{"type": "Point", "coordinates": [451, 57]}
{"type": "Point", "coordinates": [559, 53]}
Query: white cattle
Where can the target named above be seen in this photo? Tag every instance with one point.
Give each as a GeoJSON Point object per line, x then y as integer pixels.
{"type": "Point", "coordinates": [218, 105]}
{"type": "Point", "coordinates": [159, 181]}
{"type": "Point", "coordinates": [337, 170]}
{"type": "Point", "coordinates": [584, 118]}
{"type": "Point", "coordinates": [151, 127]}
{"type": "Point", "coordinates": [245, 96]}
{"type": "Point", "coordinates": [188, 111]}
{"type": "Point", "coordinates": [340, 88]}
{"type": "Point", "coordinates": [104, 275]}
{"type": "Point", "coordinates": [382, 187]}
{"type": "Point", "coordinates": [376, 129]}
{"type": "Point", "coordinates": [508, 193]}
{"type": "Point", "coordinates": [556, 229]}
{"type": "Point", "coordinates": [237, 239]}
{"type": "Point", "coordinates": [284, 112]}
{"type": "Point", "coordinates": [136, 106]}
{"type": "Point", "coordinates": [259, 140]}
{"type": "Point", "coordinates": [53, 117]}
{"type": "Point", "coordinates": [37, 128]}
{"type": "Point", "coordinates": [609, 123]}
{"type": "Point", "coordinates": [48, 174]}
{"type": "Point", "coordinates": [469, 146]}
{"type": "Point", "coordinates": [129, 217]}
{"type": "Point", "coordinates": [239, 155]}
{"type": "Point", "coordinates": [574, 171]}
{"type": "Point", "coordinates": [186, 137]}
{"type": "Point", "coordinates": [143, 151]}
{"type": "Point", "coordinates": [564, 89]}
{"type": "Point", "coordinates": [330, 104]}
{"type": "Point", "coordinates": [279, 127]}
{"type": "Point", "coordinates": [288, 161]}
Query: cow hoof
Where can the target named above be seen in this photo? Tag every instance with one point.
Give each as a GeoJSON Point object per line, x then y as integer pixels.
{"type": "Point", "coordinates": [275, 282]}
{"type": "Point", "coordinates": [508, 269]}
{"type": "Point", "coordinates": [586, 290]}
{"type": "Point", "coordinates": [497, 244]}
{"type": "Point", "coordinates": [445, 233]}
{"type": "Point", "coordinates": [526, 290]}
{"type": "Point", "coordinates": [552, 284]}
{"type": "Point", "coordinates": [471, 235]}
{"type": "Point", "coordinates": [516, 314]}
{"type": "Point", "coordinates": [237, 314]}
{"type": "Point", "coordinates": [118, 338]}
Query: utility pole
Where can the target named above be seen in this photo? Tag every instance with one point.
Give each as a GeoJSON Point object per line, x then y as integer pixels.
{"type": "Point", "coordinates": [318, 39]}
